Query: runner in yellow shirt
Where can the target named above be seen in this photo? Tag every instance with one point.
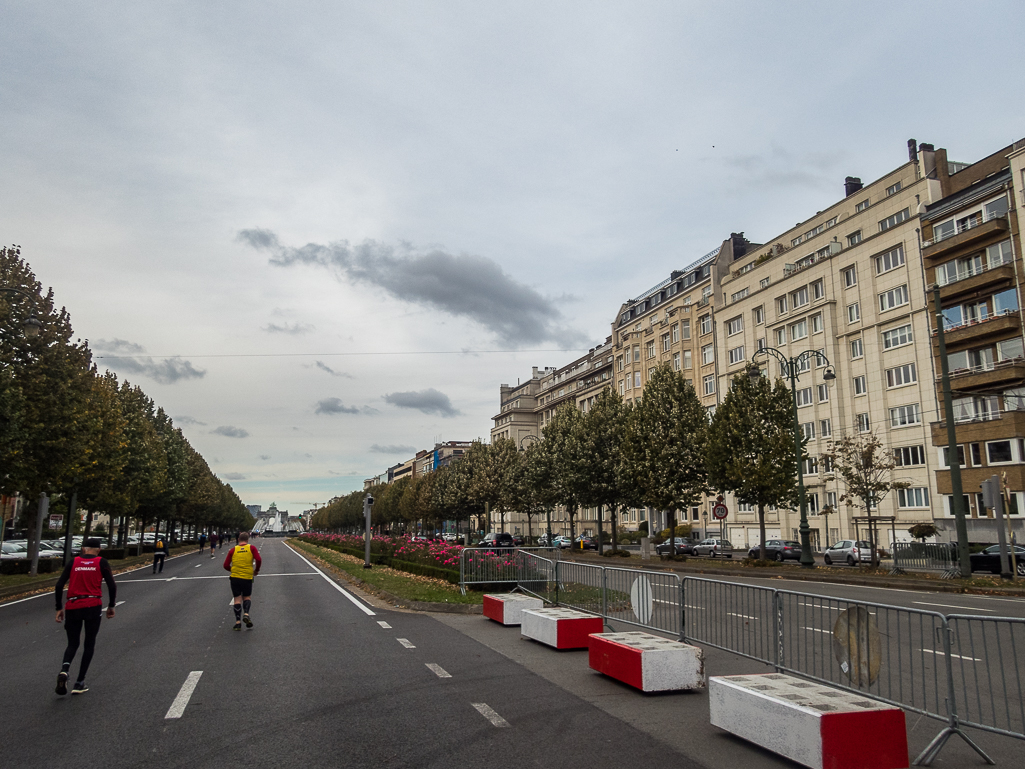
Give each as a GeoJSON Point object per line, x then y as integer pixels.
{"type": "Point", "coordinates": [243, 562]}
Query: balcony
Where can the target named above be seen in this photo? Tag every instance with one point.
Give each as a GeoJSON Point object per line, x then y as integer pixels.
{"type": "Point", "coordinates": [986, 426]}
{"type": "Point", "coordinates": [980, 329]}
{"type": "Point", "coordinates": [966, 235]}
{"type": "Point", "coordinates": [999, 276]}
{"type": "Point", "coordinates": [993, 376]}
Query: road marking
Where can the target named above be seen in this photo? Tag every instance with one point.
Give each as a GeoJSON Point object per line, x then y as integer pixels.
{"type": "Point", "coordinates": [951, 606]}
{"type": "Point", "coordinates": [385, 625]}
{"type": "Point", "coordinates": [489, 714]}
{"type": "Point", "coordinates": [744, 616]}
{"type": "Point", "coordinates": [118, 603]}
{"type": "Point", "coordinates": [365, 609]}
{"type": "Point", "coordinates": [184, 694]}
{"type": "Point", "coordinates": [405, 642]}
{"type": "Point", "coordinates": [198, 565]}
{"type": "Point", "coordinates": [438, 670]}
{"type": "Point", "coordinates": [958, 656]}
{"type": "Point", "coordinates": [820, 606]}
{"type": "Point", "coordinates": [817, 630]}
{"type": "Point", "coordinates": [22, 600]}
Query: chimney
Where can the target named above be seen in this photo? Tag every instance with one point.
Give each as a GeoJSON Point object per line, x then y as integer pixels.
{"type": "Point", "coordinates": [928, 161]}
{"type": "Point", "coordinates": [851, 185]}
{"type": "Point", "coordinates": [912, 150]}
{"type": "Point", "coordinates": [739, 244]}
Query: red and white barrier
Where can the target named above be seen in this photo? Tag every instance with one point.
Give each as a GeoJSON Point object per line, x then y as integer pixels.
{"type": "Point", "coordinates": [507, 608]}
{"type": "Point", "coordinates": [648, 662]}
{"type": "Point", "coordinates": [813, 724]}
{"type": "Point", "coordinates": [561, 628]}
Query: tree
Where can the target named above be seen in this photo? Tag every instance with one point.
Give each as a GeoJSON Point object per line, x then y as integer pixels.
{"type": "Point", "coordinates": [562, 449]}
{"type": "Point", "coordinates": [666, 444]}
{"type": "Point", "coordinates": [751, 446]}
{"type": "Point", "coordinates": [866, 469]}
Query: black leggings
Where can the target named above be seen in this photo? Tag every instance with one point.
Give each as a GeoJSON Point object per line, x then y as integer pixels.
{"type": "Point", "coordinates": [74, 619]}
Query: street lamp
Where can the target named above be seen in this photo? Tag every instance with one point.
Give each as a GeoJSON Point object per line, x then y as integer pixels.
{"type": "Point", "coordinates": [31, 326]}
{"type": "Point", "coordinates": [790, 368]}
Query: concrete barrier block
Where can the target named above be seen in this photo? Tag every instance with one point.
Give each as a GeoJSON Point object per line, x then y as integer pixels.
{"type": "Point", "coordinates": [647, 662]}
{"type": "Point", "coordinates": [507, 608]}
{"type": "Point", "coordinates": [813, 724]}
{"type": "Point", "coordinates": [561, 628]}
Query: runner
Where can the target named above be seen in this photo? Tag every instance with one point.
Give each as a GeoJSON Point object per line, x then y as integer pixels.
{"type": "Point", "coordinates": [213, 544]}
{"type": "Point", "coordinates": [243, 561]}
{"type": "Point", "coordinates": [83, 576]}
{"type": "Point", "coordinates": [159, 553]}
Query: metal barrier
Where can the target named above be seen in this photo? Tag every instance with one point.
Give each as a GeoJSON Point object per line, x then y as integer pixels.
{"type": "Point", "coordinates": [491, 566]}
{"type": "Point", "coordinates": [926, 556]}
{"type": "Point", "coordinates": [732, 617]}
{"type": "Point", "coordinates": [651, 599]}
{"type": "Point", "coordinates": [538, 576]}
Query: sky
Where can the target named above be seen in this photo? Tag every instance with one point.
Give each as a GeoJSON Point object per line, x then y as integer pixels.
{"type": "Point", "coordinates": [321, 234]}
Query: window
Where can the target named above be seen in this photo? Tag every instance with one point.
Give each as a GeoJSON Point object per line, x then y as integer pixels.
{"type": "Point", "coordinates": [857, 349]}
{"type": "Point", "coordinates": [976, 454]}
{"type": "Point", "coordinates": [823, 393]}
{"type": "Point", "coordinates": [854, 238]}
{"type": "Point", "coordinates": [676, 361]}
{"type": "Point", "coordinates": [995, 208]}
{"type": "Point", "coordinates": [651, 349]}
{"type": "Point", "coordinates": [893, 189]}
{"type": "Point", "coordinates": [816, 323]}
{"type": "Point", "coordinates": [619, 363]}
{"type": "Point", "coordinates": [998, 253]}
{"type": "Point", "coordinates": [736, 297]}
{"type": "Point", "coordinates": [735, 325]}
{"type": "Point", "coordinates": [709, 384]}
{"type": "Point", "coordinates": [665, 343]}
{"type": "Point", "coordinates": [808, 430]}
{"type": "Point", "coordinates": [976, 408]}
{"type": "Point", "coordinates": [895, 297]}
{"type": "Point", "coordinates": [759, 315]}
{"type": "Point", "coordinates": [799, 298]}
{"type": "Point", "coordinates": [781, 337]}
{"type": "Point", "coordinates": [1005, 301]}
{"type": "Point", "coordinates": [902, 416]}
{"type": "Point", "coordinates": [687, 361]}
{"type": "Point", "coordinates": [651, 373]}
{"type": "Point", "coordinates": [909, 456]}
{"type": "Point", "coordinates": [945, 456]}
{"type": "Point", "coordinates": [654, 319]}
{"type": "Point", "coordinates": [862, 423]}
{"type": "Point", "coordinates": [897, 337]}
{"type": "Point", "coordinates": [798, 330]}
{"type": "Point", "coordinates": [971, 360]}
{"type": "Point", "coordinates": [802, 365]}
{"type": "Point", "coordinates": [819, 362]}
{"type": "Point", "coordinates": [818, 290]}
{"type": "Point", "coordinates": [760, 343]}
{"type": "Point", "coordinates": [706, 324]}
{"type": "Point", "coordinates": [795, 242]}
{"type": "Point", "coordinates": [861, 206]}
{"type": "Point", "coordinates": [850, 276]}
{"type": "Point", "coordinates": [811, 466]}
{"type": "Point", "coordinates": [916, 496]}
{"type": "Point", "coordinates": [998, 452]}
{"type": "Point", "coordinates": [621, 388]}
{"type": "Point", "coordinates": [814, 231]}
{"type": "Point", "coordinates": [804, 397]}
{"type": "Point", "coordinates": [676, 333]}
{"type": "Point", "coordinates": [637, 379]}
{"type": "Point", "coordinates": [781, 305]}
{"type": "Point", "coordinates": [901, 375]}
{"type": "Point", "coordinates": [637, 353]}
{"type": "Point", "coordinates": [707, 354]}
{"type": "Point", "coordinates": [859, 385]}
{"type": "Point", "coordinates": [825, 428]}
{"type": "Point", "coordinates": [764, 282]}
{"type": "Point", "coordinates": [685, 328]}
{"type": "Point", "coordinates": [891, 260]}
{"type": "Point", "coordinates": [736, 355]}
{"type": "Point", "coordinates": [892, 221]}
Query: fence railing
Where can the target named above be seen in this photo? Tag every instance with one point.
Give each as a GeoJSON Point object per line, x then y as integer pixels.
{"type": "Point", "coordinates": [962, 670]}
{"type": "Point", "coordinates": [493, 566]}
{"type": "Point", "coordinates": [926, 556]}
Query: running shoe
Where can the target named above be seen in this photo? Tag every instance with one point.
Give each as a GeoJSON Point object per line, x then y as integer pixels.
{"type": "Point", "coordinates": [245, 618]}
{"type": "Point", "coordinates": [62, 683]}
{"type": "Point", "coordinates": [79, 688]}
{"type": "Point", "coordinates": [238, 626]}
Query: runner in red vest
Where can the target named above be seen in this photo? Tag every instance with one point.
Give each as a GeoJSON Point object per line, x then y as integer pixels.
{"type": "Point", "coordinates": [244, 562]}
{"type": "Point", "coordinates": [84, 576]}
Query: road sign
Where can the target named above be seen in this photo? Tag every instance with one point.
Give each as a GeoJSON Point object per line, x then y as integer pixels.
{"type": "Point", "coordinates": [56, 521]}
{"type": "Point", "coordinates": [719, 512]}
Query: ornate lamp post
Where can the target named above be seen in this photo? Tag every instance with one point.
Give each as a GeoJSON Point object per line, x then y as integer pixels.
{"type": "Point", "coordinates": [790, 368]}
{"type": "Point", "coordinates": [31, 326]}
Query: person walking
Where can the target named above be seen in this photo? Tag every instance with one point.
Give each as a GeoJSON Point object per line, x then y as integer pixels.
{"type": "Point", "coordinates": [213, 543]}
{"type": "Point", "coordinates": [202, 541]}
{"type": "Point", "coordinates": [84, 576]}
{"type": "Point", "coordinates": [159, 553]}
{"type": "Point", "coordinates": [243, 562]}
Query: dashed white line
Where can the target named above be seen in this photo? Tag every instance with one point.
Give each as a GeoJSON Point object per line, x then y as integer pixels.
{"type": "Point", "coordinates": [486, 711]}
{"type": "Point", "coordinates": [742, 616]}
{"type": "Point", "coordinates": [951, 606]}
{"type": "Point", "coordinates": [817, 630]}
{"type": "Point", "coordinates": [184, 694]}
{"type": "Point", "coordinates": [365, 609]}
{"type": "Point", "coordinates": [438, 670]}
{"type": "Point", "coordinates": [118, 603]}
{"type": "Point", "coordinates": [958, 656]}
{"type": "Point", "coordinates": [383, 624]}
{"type": "Point", "coordinates": [405, 642]}
{"type": "Point", "coordinates": [198, 565]}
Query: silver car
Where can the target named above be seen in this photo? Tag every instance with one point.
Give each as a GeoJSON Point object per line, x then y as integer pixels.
{"type": "Point", "coordinates": [848, 551]}
{"type": "Point", "coordinates": [714, 547]}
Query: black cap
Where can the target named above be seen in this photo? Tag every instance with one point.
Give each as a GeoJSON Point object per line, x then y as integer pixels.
{"type": "Point", "coordinates": [92, 542]}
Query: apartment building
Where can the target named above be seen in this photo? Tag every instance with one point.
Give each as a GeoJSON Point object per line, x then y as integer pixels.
{"type": "Point", "coordinates": [518, 418]}
{"type": "Point", "coordinates": [972, 254]}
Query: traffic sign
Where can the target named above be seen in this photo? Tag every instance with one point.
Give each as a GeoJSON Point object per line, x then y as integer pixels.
{"type": "Point", "coordinates": [719, 512]}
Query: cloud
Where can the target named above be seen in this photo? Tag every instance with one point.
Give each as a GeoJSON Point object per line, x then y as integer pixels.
{"type": "Point", "coordinates": [334, 406]}
{"type": "Point", "coordinates": [187, 420]}
{"type": "Point", "coordinates": [294, 329]}
{"type": "Point", "coordinates": [392, 449]}
{"type": "Point", "coordinates": [324, 367]}
{"type": "Point", "coordinates": [429, 401]}
{"type": "Point", "coordinates": [230, 432]}
{"type": "Point", "coordinates": [233, 476]}
{"type": "Point", "coordinates": [265, 456]}
{"type": "Point", "coordinates": [463, 285]}
{"type": "Point", "coordinates": [164, 370]}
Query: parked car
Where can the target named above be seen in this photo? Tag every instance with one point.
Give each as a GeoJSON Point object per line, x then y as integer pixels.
{"type": "Point", "coordinates": [989, 559]}
{"type": "Point", "coordinates": [497, 539]}
{"type": "Point", "coordinates": [16, 549]}
{"type": "Point", "coordinates": [449, 537]}
{"type": "Point", "coordinates": [683, 547]}
{"type": "Point", "coordinates": [777, 550]}
{"type": "Point", "coordinates": [517, 540]}
{"type": "Point", "coordinates": [585, 543]}
{"type": "Point", "coordinates": [714, 548]}
{"type": "Point", "coordinates": [848, 551]}
{"type": "Point", "coordinates": [563, 541]}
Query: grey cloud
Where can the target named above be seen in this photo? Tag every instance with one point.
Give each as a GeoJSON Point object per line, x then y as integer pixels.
{"type": "Point", "coordinates": [230, 431]}
{"type": "Point", "coordinates": [118, 345]}
{"type": "Point", "coordinates": [288, 328]}
{"type": "Point", "coordinates": [233, 476]}
{"type": "Point", "coordinates": [324, 367]}
{"type": "Point", "coordinates": [164, 371]}
{"type": "Point", "coordinates": [392, 449]}
{"type": "Point", "coordinates": [334, 406]}
{"type": "Point", "coordinates": [187, 420]}
{"type": "Point", "coordinates": [429, 401]}
{"type": "Point", "coordinates": [265, 456]}
{"type": "Point", "coordinates": [463, 285]}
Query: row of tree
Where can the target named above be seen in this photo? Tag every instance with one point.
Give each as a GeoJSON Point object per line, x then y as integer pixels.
{"type": "Point", "coordinates": [661, 451]}
{"type": "Point", "coordinates": [85, 438]}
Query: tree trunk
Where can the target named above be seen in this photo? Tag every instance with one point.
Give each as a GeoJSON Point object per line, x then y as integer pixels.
{"type": "Point", "coordinates": [671, 517]}
{"type": "Point", "coordinates": [761, 531]}
{"type": "Point", "coordinates": [615, 518]}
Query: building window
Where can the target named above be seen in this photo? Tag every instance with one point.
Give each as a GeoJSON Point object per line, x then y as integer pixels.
{"type": "Point", "coordinates": [853, 313]}
{"type": "Point", "coordinates": [707, 354]}
{"type": "Point", "coordinates": [760, 343]}
{"type": "Point", "coordinates": [781, 337]}
{"type": "Point", "coordinates": [799, 298]}
{"type": "Point", "coordinates": [687, 362]}
{"type": "Point", "coordinates": [736, 355]}
{"type": "Point", "coordinates": [804, 397]}
{"type": "Point", "coordinates": [901, 375]}
{"type": "Point", "coordinates": [850, 276]}
{"type": "Point", "coordinates": [976, 450]}
{"type": "Point", "coordinates": [916, 496]}
{"type": "Point", "coordinates": [999, 452]}
{"type": "Point", "coordinates": [811, 467]}
{"type": "Point", "coordinates": [685, 328]}
{"type": "Point", "coordinates": [945, 456]}
{"type": "Point", "coordinates": [621, 387]}
{"type": "Point", "coordinates": [823, 393]}
{"type": "Point", "coordinates": [808, 430]}
{"type": "Point", "coordinates": [897, 337]}
{"type": "Point", "coordinates": [893, 189]}
{"type": "Point", "coordinates": [706, 324]}
{"type": "Point", "coordinates": [895, 297]}
{"type": "Point", "coordinates": [781, 305]}
{"type": "Point", "coordinates": [863, 425]}
{"type": "Point", "coordinates": [764, 282]}
{"type": "Point", "coordinates": [651, 350]}
{"type": "Point", "coordinates": [859, 385]}
{"type": "Point", "coordinates": [619, 367]}
{"type": "Point", "coordinates": [891, 260]}
{"type": "Point", "coordinates": [854, 238]}
{"type": "Point", "coordinates": [736, 297]}
{"type": "Point", "coordinates": [665, 343]}
{"type": "Point", "coordinates": [735, 325]}
{"type": "Point", "coordinates": [818, 290]}
{"type": "Point", "coordinates": [795, 242]}
{"type": "Point", "coordinates": [676, 333]}
{"type": "Point", "coordinates": [857, 349]}
{"type": "Point", "coordinates": [816, 323]}
{"type": "Point", "coordinates": [676, 361]}
{"type": "Point", "coordinates": [861, 206]}
{"type": "Point", "coordinates": [909, 456]}
{"type": "Point", "coordinates": [637, 353]}
{"type": "Point", "coordinates": [637, 379]}
{"type": "Point", "coordinates": [709, 384]}
{"type": "Point", "coordinates": [902, 416]}
{"type": "Point", "coordinates": [825, 428]}
{"type": "Point", "coordinates": [892, 221]}
{"type": "Point", "coordinates": [798, 330]}
{"type": "Point", "coordinates": [759, 315]}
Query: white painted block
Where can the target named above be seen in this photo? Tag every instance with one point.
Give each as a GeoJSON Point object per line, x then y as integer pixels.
{"type": "Point", "coordinates": [507, 608]}
{"type": "Point", "coordinates": [648, 662]}
{"type": "Point", "coordinates": [560, 628]}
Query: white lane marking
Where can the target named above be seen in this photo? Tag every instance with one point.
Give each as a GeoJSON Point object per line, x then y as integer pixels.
{"type": "Point", "coordinates": [198, 565]}
{"type": "Point", "coordinates": [184, 694]}
{"type": "Point", "coordinates": [437, 670]}
{"type": "Point", "coordinates": [744, 616]}
{"type": "Point", "coordinates": [118, 603]}
{"type": "Point", "coordinates": [951, 606]}
{"type": "Point", "coordinates": [365, 609]}
{"type": "Point", "coordinates": [486, 711]}
{"type": "Point", "coordinates": [820, 606]}
{"type": "Point", "coordinates": [170, 579]}
{"type": "Point", "coordinates": [21, 600]}
{"type": "Point", "coordinates": [405, 642]}
{"type": "Point", "coordinates": [817, 630]}
{"type": "Point", "coordinates": [958, 656]}
{"type": "Point", "coordinates": [385, 625]}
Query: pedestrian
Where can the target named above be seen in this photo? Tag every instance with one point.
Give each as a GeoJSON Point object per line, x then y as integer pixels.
{"type": "Point", "coordinates": [220, 540]}
{"type": "Point", "coordinates": [202, 541]}
{"type": "Point", "coordinates": [236, 537]}
{"type": "Point", "coordinates": [84, 576]}
{"type": "Point", "coordinates": [159, 553]}
{"type": "Point", "coordinates": [213, 543]}
{"type": "Point", "coordinates": [243, 562]}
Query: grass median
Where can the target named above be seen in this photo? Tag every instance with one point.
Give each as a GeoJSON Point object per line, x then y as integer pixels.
{"type": "Point", "coordinates": [399, 583]}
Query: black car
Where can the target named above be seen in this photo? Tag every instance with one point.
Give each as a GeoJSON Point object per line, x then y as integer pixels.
{"type": "Point", "coordinates": [683, 547]}
{"type": "Point", "coordinates": [498, 539]}
{"type": "Point", "coordinates": [989, 559]}
{"type": "Point", "coordinates": [584, 543]}
{"type": "Point", "coordinates": [777, 550]}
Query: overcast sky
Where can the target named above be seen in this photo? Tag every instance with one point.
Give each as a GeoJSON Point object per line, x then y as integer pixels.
{"type": "Point", "coordinates": [307, 213]}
